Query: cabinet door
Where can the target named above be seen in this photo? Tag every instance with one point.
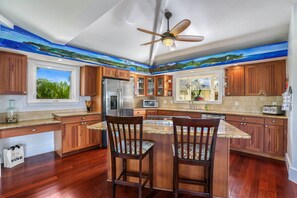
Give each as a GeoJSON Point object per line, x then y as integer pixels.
{"type": "Point", "coordinates": [273, 140]}
{"type": "Point", "coordinates": [160, 85]}
{"type": "Point", "coordinates": [123, 74]}
{"type": "Point", "coordinates": [251, 80]}
{"type": "Point", "coordinates": [164, 113]}
{"type": "Point", "coordinates": [256, 131]}
{"type": "Point", "coordinates": [88, 81]}
{"type": "Point", "coordinates": [236, 142]}
{"type": "Point", "coordinates": [140, 86]}
{"type": "Point", "coordinates": [14, 73]}
{"type": "Point", "coordinates": [190, 114]}
{"type": "Point", "coordinates": [109, 72]}
{"type": "Point", "coordinates": [72, 138]}
{"type": "Point", "coordinates": [92, 137]}
{"type": "Point", "coordinates": [235, 81]}
{"type": "Point", "coordinates": [150, 86]}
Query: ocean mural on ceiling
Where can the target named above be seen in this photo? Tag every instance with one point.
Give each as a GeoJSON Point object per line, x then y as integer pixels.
{"type": "Point", "coordinates": [20, 39]}
{"type": "Point", "coordinates": [245, 55]}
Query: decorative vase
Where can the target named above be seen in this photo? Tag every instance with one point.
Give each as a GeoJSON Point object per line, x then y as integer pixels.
{"type": "Point", "coordinates": [11, 113]}
{"type": "Point", "coordinates": [88, 105]}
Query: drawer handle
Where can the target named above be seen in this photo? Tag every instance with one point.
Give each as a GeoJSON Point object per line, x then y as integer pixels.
{"type": "Point", "coordinates": [266, 126]}
{"type": "Point", "coordinates": [242, 118]}
{"type": "Point", "coordinates": [83, 118]}
{"type": "Point", "coordinates": [244, 123]}
{"type": "Point", "coordinates": [33, 130]}
{"type": "Point", "coordinates": [241, 123]}
{"type": "Point", "coordinates": [273, 121]}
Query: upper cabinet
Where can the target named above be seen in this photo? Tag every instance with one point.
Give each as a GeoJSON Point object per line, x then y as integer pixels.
{"type": "Point", "coordinates": [140, 86]}
{"type": "Point", "coordinates": [234, 81]}
{"type": "Point", "coordinates": [164, 85]}
{"type": "Point", "coordinates": [88, 81]}
{"type": "Point", "coordinates": [150, 86]}
{"type": "Point", "coordinates": [13, 73]}
{"type": "Point", "coordinates": [265, 79]}
{"type": "Point", "coordinates": [260, 79]}
{"type": "Point", "coordinates": [115, 73]}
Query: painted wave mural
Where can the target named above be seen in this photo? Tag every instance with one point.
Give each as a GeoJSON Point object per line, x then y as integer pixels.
{"type": "Point", "coordinates": [23, 40]}
{"type": "Point", "coordinates": [251, 54]}
{"type": "Point", "coordinates": [20, 39]}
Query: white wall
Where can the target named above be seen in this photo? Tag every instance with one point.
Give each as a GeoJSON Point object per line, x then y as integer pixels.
{"type": "Point", "coordinates": [291, 156]}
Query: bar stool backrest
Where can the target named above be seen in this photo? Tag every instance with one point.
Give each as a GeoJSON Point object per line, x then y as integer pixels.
{"type": "Point", "coordinates": [125, 135]}
{"type": "Point", "coordinates": [195, 139]}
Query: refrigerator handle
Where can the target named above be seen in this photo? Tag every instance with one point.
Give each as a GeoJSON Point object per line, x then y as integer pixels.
{"type": "Point", "coordinates": [120, 99]}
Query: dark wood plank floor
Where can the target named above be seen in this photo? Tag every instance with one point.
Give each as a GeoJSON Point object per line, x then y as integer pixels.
{"type": "Point", "coordinates": [84, 175]}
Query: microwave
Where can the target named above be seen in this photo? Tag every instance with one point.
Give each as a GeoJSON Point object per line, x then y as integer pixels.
{"type": "Point", "coordinates": [149, 103]}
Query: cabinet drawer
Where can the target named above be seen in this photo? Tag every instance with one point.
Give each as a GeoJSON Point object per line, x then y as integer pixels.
{"type": "Point", "coordinates": [274, 121]}
{"type": "Point", "coordinates": [165, 113]}
{"type": "Point", "coordinates": [73, 119]}
{"type": "Point", "coordinates": [151, 112]}
{"type": "Point", "coordinates": [247, 119]}
{"type": "Point", "coordinates": [139, 112]}
{"type": "Point", "coordinates": [183, 113]}
{"type": "Point", "coordinates": [6, 133]}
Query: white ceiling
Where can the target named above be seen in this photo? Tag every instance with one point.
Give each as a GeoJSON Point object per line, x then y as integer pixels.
{"type": "Point", "coordinates": [109, 26]}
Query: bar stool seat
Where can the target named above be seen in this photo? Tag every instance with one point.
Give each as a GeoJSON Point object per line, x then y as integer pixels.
{"type": "Point", "coordinates": [191, 151]}
{"type": "Point", "coordinates": [146, 145]}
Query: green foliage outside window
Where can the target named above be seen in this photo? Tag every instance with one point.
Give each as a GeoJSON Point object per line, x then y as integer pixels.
{"type": "Point", "coordinates": [52, 90]}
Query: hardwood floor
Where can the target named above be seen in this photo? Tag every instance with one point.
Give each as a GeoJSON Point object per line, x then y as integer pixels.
{"type": "Point", "coordinates": [84, 175]}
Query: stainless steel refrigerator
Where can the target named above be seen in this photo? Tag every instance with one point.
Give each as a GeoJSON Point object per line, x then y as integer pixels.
{"type": "Point", "coordinates": [117, 99]}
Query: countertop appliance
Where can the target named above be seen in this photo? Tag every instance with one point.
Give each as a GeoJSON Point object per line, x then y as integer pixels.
{"type": "Point", "coordinates": [273, 109]}
{"type": "Point", "coordinates": [149, 103]}
{"type": "Point", "coordinates": [117, 100]}
{"type": "Point", "coordinates": [214, 116]}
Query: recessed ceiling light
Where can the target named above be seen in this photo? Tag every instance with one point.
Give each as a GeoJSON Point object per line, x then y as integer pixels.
{"type": "Point", "coordinates": [60, 59]}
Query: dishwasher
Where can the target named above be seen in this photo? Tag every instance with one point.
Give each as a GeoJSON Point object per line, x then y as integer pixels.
{"type": "Point", "coordinates": [213, 115]}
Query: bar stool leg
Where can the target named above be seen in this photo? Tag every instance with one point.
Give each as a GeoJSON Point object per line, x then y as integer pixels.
{"type": "Point", "coordinates": [125, 169]}
{"type": "Point", "coordinates": [140, 180]}
{"type": "Point", "coordinates": [113, 164]}
{"type": "Point", "coordinates": [175, 177]}
{"type": "Point", "coordinates": [151, 171]}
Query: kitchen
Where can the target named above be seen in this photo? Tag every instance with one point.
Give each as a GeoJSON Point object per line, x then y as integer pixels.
{"type": "Point", "coordinates": [228, 89]}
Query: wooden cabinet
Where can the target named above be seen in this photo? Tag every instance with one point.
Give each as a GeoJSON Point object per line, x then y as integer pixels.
{"type": "Point", "coordinates": [150, 86]}
{"type": "Point", "coordinates": [75, 135]}
{"type": "Point", "coordinates": [234, 81]}
{"type": "Point", "coordinates": [267, 135]}
{"type": "Point", "coordinates": [88, 82]}
{"type": "Point", "coordinates": [140, 86]}
{"type": "Point", "coordinates": [110, 72]}
{"type": "Point", "coordinates": [274, 143]}
{"type": "Point", "coordinates": [13, 74]}
{"type": "Point", "coordinates": [151, 112]}
{"type": "Point", "coordinates": [164, 85]}
{"type": "Point", "coordinates": [184, 113]}
{"type": "Point", "coordinates": [164, 113]}
{"type": "Point", "coordinates": [140, 112]}
{"type": "Point", "coordinates": [265, 79]}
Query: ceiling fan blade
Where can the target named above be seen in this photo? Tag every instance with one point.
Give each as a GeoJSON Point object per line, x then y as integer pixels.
{"type": "Point", "coordinates": [180, 27]}
{"type": "Point", "coordinates": [149, 32]}
{"type": "Point", "coordinates": [151, 42]}
{"type": "Point", "coordinates": [189, 38]}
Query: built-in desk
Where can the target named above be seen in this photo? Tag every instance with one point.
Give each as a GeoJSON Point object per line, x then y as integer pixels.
{"type": "Point", "coordinates": [162, 133]}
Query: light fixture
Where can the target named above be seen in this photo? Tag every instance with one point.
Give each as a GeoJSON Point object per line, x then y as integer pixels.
{"type": "Point", "coordinates": [168, 41]}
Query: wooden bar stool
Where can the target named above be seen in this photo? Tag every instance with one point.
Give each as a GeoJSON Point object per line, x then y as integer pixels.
{"type": "Point", "coordinates": [194, 144]}
{"type": "Point", "coordinates": [125, 137]}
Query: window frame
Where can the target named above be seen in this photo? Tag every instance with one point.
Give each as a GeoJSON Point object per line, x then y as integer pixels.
{"type": "Point", "coordinates": [197, 74]}
{"type": "Point", "coordinates": [32, 77]}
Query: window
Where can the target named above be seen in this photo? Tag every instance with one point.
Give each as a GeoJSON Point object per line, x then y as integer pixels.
{"type": "Point", "coordinates": [52, 82]}
{"type": "Point", "coordinates": [200, 88]}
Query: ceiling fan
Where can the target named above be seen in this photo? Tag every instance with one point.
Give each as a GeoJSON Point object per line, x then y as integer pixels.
{"type": "Point", "coordinates": [169, 37]}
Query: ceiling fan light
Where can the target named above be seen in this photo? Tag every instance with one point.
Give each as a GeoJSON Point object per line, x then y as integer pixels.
{"type": "Point", "coordinates": [168, 41]}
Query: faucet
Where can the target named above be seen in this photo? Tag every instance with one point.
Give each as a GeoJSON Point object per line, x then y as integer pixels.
{"type": "Point", "coordinates": [206, 107]}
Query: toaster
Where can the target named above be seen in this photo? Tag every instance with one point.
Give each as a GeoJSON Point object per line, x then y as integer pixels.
{"type": "Point", "coordinates": [273, 109]}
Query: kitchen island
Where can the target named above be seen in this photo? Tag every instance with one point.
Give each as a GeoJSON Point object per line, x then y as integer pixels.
{"type": "Point", "coordinates": [162, 133]}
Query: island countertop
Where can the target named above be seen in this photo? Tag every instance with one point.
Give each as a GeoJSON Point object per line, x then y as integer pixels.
{"type": "Point", "coordinates": [225, 130]}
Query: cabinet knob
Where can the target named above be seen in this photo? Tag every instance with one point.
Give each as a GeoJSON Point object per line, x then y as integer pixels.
{"type": "Point", "coordinates": [25, 92]}
{"type": "Point", "coordinates": [266, 126]}
{"type": "Point", "coordinates": [83, 118]}
{"type": "Point", "coordinates": [241, 123]}
{"type": "Point", "coordinates": [244, 123]}
{"type": "Point", "coordinates": [228, 93]}
{"type": "Point", "coordinates": [242, 118]}
{"type": "Point", "coordinates": [273, 121]}
{"type": "Point", "coordinates": [33, 130]}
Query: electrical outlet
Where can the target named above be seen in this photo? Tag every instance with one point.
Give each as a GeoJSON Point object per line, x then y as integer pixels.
{"type": "Point", "coordinates": [274, 103]}
{"type": "Point", "coordinates": [236, 103]}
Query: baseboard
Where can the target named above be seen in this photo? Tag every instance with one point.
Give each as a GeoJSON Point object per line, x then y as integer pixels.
{"type": "Point", "coordinates": [291, 170]}
{"type": "Point", "coordinates": [39, 149]}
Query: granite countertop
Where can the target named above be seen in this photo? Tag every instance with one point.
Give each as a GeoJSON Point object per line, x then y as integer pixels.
{"type": "Point", "coordinates": [28, 123]}
{"type": "Point", "coordinates": [219, 112]}
{"type": "Point", "coordinates": [82, 113]}
{"type": "Point", "coordinates": [165, 127]}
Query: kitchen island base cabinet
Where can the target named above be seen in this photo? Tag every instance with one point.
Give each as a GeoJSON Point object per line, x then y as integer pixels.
{"type": "Point", "coordinates": [163, 165]}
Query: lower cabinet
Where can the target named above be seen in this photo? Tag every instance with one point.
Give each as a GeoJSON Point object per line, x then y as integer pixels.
{"type": "Point", "coordinates": [75, 135]}
{"type": "Point", "coordinates": [267, 135]}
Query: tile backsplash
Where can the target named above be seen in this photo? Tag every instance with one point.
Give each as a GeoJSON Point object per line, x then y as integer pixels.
{"type": "Point", "coordinates": [249, 104]}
